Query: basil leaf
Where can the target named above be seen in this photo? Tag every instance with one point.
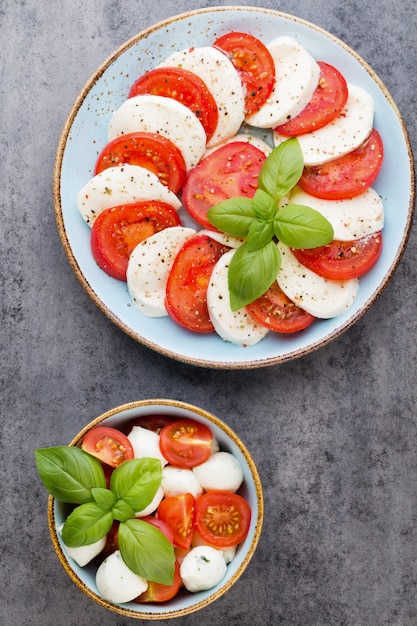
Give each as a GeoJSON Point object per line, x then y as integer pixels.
{"type": "Point", "coordinates": [232, 216]}
{"type": "Point", "coordinates": [251, 273]}
{"type": "Point", "coordinates": [122, 511]}
{"type": "Point", "coordinates": [104, 498]}
{"type": "Point", "coordinates": [299, 226]}
{"type": "Point", "coordinates": [146, 551]}
{"type": "Point", "coordinates": [260, 233]}
{"type": "Point", "coordinates": [137, 481]}
{"type": "Point", "coordinates": [282, 169]}
{"type": "Point", "coordinates": [68, 473]}
{"type": "Point", "coordinates": [264, 207]}
{"type": "Point", "coordinates": [85, 525]}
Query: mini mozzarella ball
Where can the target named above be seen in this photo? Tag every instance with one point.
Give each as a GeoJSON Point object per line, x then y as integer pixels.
{"type": "Point", "coordinates": [145, 443]}
{"type": "Point", "coordinates": [202, 568]}
{"type": "Point", "coordinates": [177, 480]}
{"type": "Point", "coordinates": [84, 554]}
{"type": "Point", "coordinates": [214, 446]}
{"type": "Point", "coordinates": [152, 506]}
{"type": "Point", "coordinates": [221, 472]}
{"type": "Point", "coordinates": [228, 553]}
{"type": "Point", "coordinates": [116, 582]}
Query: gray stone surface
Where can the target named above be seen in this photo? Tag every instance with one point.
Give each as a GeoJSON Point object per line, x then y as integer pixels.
{"type": "Point", "coordinates": [333, 433]}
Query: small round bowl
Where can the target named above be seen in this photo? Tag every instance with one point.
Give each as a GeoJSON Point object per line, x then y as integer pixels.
{"type": "Point", "coordinates": [184, 603]}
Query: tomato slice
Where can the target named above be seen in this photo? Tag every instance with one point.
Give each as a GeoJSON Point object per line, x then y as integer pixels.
{"type": "Point", "coordinates": [183, 86]}
{"type": "Point", "coordinates": [178, 513]}
{"type": "Point", "coordinates": [156, 592]}
{"type": "Point", "coordinates": [327, 102]}
{"type": "Point", "coordinates": [276, 311]}
{"type": "Point", "coordinates": [150, 150]}
{"type": "Point", "coordinates": [185, 443]}
{"type": "Point", "coordinates": [255, 65]}
{"type": "Point", "coordinates": [230, 171]}
{"type": "Point", "coordinates": [222, 519]}
{"type": "Point", "coordinates": [348, 176]}
{"type": "Point", "coordinates": [109, 445]}
{"type": "Point", "coordinates": [118, 230]}
{"type": "Point", "coordinates": [186, 290]}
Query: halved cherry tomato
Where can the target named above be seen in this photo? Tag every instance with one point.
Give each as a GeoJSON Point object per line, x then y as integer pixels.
{"type": "Point", "coordinates": [222, 519]}
{"type": "Point", "coordinates": [109, 445]}
{"type": "Point", "coordinates": [160, 525]}
{"type": "Point", "coordinates": [112, 543]}
{"type": "Point", "coordinates": [348, 176]}
{"type": "Point", "coordinates": [153, 422]}
{"type": "Point", "coordinates": [156, 592]}
{"type": "Point", "coordinates": [343, 260]}
{"type": "Point", "coordinates": [327, 102]}
{"type": "Point", "coordinates": [230, 171]}
{"type": "Point", "coordinates": [255, 65]}
{"type": "Point", "coordinates": [150, 150]}
{"type": "Point", "coordinates": [278, 313]}
{"type": "Point", "coordinates": [118, 230]}
{"type": "Point", "coordinates": [184, 86]}
{"type": "Point", "coordinates": [186, 290]}
{"type": "Point", "coordinates": [178, 513]}
{"type": "Point", "coordinates": [185, 443]}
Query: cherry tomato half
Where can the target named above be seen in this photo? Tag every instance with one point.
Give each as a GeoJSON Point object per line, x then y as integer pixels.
{"type": "Point", "coordinates": [222, 519]}
{"type": "Point", "coordinates": [185, 443]}
{"type": "Point", "coordinates": [276, 311]}
{"type": "Point", "coordinates": [109, 445]}
{"type": "Point", "coordinates": [156, 592]}
{"type": "Point", "coordinates": [178, 513]}
{"type": "Point", "coordinates": [160, 525]}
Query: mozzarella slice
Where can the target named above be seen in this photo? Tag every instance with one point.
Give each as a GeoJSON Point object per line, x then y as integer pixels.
{"type": "Point", "coordinates": [225, 240]}
{"type": "Point", "coordinates": [318, 296]}
{"type": "Point", "coordinates": [234, 326]}
{"type": "Point", "coordinates": [297, 75]}
{"type": "Point", "coordinates": [352, 218]}
{"type": "Point", "coordinates": [116, 582]}
{"type": "Point", "coordinates": [254, 140]}
{"type": "Point", "coordinates": [149, 266]}
{"type": "Point", "coordinates": [164, 116]}
{"type": "Point", "coordinates": [121, 185]}
{"type": "Point", "coordinates": [346, 133]}
{"type": "Point", "coordinates": [223, 81]}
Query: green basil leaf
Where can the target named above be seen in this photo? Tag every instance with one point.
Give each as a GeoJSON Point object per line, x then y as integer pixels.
{"type": "Point", "coordinates": [282, 169]}
{"type": "Point", "coordinates": [299, 226]}
{"type": "Point", "coordinates": [260, 233]}
{"type": "Point", "coordinates": [232, 216]}
{"type": "Point", "coordinates": [104, 498]}
{"type": "Point", "coordinates": [68, 473]}
{"type": "Point", "coordinates": [123, 511]}
{"type": "Point", "coordinates": [146, 551]}
{"type": "Point", "coordinates": [264, 207]}
{"type": "Point", "coordinates": [85, 525]}
{"type": "Point", "coordinates": [137, 481]}
{"type": "Point", "coordinates": [251, 273]}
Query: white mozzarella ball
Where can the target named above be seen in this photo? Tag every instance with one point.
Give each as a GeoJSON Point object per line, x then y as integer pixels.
{"type": "Point", "coordinates": [228, 553]}
{"type": "Point", "coordinates": [84, 554]}
{"type": "Point", "coordinates": [152, 506]}
{"type": "Point", "coordinates": [222, 471]}
{"type": "Point", "coordinates": [202, 568]}
{"type": "Point", "coordinates": [116, 582]}
{"type": "Point", "coordinates": [177, 480]}
{"type": "Point", "coordinates": [145, 444]}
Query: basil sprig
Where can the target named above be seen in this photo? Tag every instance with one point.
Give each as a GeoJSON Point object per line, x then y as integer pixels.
{"type": "Point", "coordinates": [73, 476]}
{"type": "Point", "coordinates": [264, 219]}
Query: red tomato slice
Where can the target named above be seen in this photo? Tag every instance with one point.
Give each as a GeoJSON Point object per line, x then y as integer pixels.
{"type": "Point", "coordinates": [278, 313]}
{"type": "Point", "coordinates": [326, 104]}
{"type": "Point", "coordinates": [230, 171]}
{"type": "Point", "coordinates": [150, 150]}
{"type": "Point", "coordinates": [186, 290]}
{"type": "Point", "coordinates": [255, 65]}
{"type": "Point", "coordinates": [184, 86]}
{"type": "Point", "coordinates": [178, 513]}
{"type": "Point", "coordinates": [222, 519]}
{"type": "Point", "coordinates": [118, 230]}
{"type": "Point", "coordinates": [348, 176]}
{"type": "Point", "coordinates": [156, 592]}
{"type": "Point", "coordinates": [109, 445]}
{"type": "Point", "coordinates": [185, 443]}
{"type": "Point", "coordinates": [343, 260]}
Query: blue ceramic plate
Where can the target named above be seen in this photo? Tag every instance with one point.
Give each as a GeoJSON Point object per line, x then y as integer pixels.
{"type": "Point", "coordinates": [85, 134]}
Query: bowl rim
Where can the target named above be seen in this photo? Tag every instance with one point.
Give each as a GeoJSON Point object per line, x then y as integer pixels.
{"type": "Point", "coordinates": [231, 434]}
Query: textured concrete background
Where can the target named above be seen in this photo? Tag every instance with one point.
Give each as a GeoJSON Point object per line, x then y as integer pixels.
{"type": "Point", "coordinates": [333, 433]}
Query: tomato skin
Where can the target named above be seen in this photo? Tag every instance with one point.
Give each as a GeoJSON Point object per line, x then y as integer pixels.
{"type": "Point", "coordinates": [185, 443]}
{"type": "Point", "coordinates": [222, 519]}
{"type": "Point", "coordinates": [153, 422]}
{"type": "Point", "coordinates": [346, 177]}
{"type": "Point", "coordinates": [156, 592]}
{"type": "Point", "coordinates": [186, 291]}
{"type": "Point", "coordinates": [117, 231]}
{"type": "Point", "coordinates": [183, 86]}
{"type": "Point", "coordinates": [230, 171]}
{"type": "Point", "coordinates": [109, 445]}
{"type": "Point", "coordinates": [255, 65]}
{"type": "Point", "coordinates": [149, 150]}
{"type": "Point", "coordinates": [178, 513]}
{"type": "Point", "coordinates": [343, 260]}
{"type": "Point", "coordinates": [276, 311]}
{"type": "Point", "coordinates": [160, 525]}
{"type": "Point", "coordinates": [327, 102]}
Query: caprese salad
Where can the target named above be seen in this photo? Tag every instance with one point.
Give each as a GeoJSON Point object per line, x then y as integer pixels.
{"type": "Point", "coordinates": [199, 130]}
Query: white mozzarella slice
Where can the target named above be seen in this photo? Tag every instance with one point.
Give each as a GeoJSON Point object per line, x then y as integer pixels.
{"type": "Point", "coordinates": [254, 140]}
{"type": "Point", "coordinates": [346, 133]}
{"type": "Point", "coordinates": [351, 218]}
{"type": "Point", "coordinates": [164, 116]}
{"type": "Point", "coordinates": [318, 296]}
{"type": "Point", "coordinates": [149, 266]}
{"type": "Point", "coordinates": [223, 81]}
{"type": "Point", "coordinates": [116, 582]}
{"type": "Point", "coordinates": [124, 184]}
{"type": "Point", "coordinates": [226, 240]}
{"type": "Point", "coordinates": [234, 326]}
{"type": "Point", "coordinates": [296, 78]}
